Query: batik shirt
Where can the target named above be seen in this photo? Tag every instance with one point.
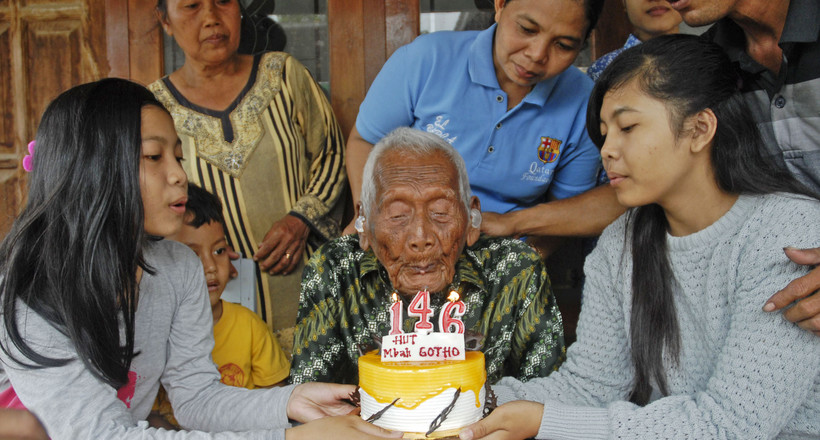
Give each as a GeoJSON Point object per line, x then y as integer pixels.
{"type": "Point", "coordinates": [346, 296]}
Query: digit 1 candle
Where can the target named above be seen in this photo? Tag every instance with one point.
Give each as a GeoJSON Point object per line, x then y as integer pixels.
{"type": "Point", "coordinates": [395, 315]}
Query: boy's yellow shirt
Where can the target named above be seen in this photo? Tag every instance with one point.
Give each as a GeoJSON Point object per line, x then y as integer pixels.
{"type": "Point", "coordinates": [245, 351]}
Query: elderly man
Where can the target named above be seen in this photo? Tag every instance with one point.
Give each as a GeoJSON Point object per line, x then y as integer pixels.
{"type": "Point", "coordinates": [419, 229]}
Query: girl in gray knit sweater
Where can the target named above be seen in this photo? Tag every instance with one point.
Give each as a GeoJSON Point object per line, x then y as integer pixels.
{"type": "Point", "coordinates": [97, 310]}
{"type": "Point", "coordinates": [672, 342]}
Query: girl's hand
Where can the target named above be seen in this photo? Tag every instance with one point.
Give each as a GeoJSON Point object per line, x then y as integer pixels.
{"type": "Point", "coordinates": [345, 427]}
{"type": "Point", "coordinates": [514, 420]}
{"type": "Point", "coordinates": [283, 246]}
{"type": "Point", "coordinates": [314, 400]}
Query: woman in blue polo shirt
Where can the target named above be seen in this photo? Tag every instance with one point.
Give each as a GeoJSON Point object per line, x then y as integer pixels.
{"type": "Point", "coordinates": [506, 98]}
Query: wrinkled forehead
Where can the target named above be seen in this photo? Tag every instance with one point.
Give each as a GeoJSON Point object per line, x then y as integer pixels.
{"type": "Point", "coordinates": [427, 173]}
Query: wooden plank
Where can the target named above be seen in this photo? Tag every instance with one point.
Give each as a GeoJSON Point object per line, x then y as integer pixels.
{"type": "Point", "coordinates": [402, 23]}
{"type": "Point", "coordinates": [118, 48]}
{"type": "Point", "coordinates": [612, 30]}
{"type": "Point", "coordinates": [145, 38]}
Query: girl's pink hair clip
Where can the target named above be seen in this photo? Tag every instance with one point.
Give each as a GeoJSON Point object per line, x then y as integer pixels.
{"type": "Point", "coordinates": [27, 165]}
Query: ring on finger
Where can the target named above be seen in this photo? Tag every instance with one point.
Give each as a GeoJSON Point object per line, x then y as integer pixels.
{"type": "Point", "coordinates": [287, 255]}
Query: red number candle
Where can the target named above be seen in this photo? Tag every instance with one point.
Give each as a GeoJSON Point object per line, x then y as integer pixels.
{"type": "Point", "coordinates": [395, 315]}
{"type": "Point", "coordinates": [455, 307]}
{"type": "Point", "coordinates": [420, 308]}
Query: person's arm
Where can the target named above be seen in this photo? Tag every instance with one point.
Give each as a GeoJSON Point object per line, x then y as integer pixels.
{"type": "Point", "coordinates": [71, 403]}
{"type": "Point", "coordinates": [282, 248]}
{"type": "Point", "coordinates": [584, 215]}
{"type": "Point", "coordinates": [357, 151]}
{"type": "Point", "coordinates": [806, 312]}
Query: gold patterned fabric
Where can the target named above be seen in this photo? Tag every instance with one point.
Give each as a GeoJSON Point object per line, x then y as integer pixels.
{"type": "Point", "coordinates": [277, 150]}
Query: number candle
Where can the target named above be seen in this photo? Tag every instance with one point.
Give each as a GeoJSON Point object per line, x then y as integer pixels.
{"type": "Point", "coordinates": [395, 315]}
{"type": "Point", "coordinates": [457, 308]}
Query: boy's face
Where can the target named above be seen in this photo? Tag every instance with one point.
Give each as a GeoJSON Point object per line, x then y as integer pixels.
{"type": "Point", "coordinates": [208, 241]}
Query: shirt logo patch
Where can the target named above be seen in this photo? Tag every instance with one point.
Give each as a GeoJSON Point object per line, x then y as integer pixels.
{"type": "Point", "coordinates": [232, 375]}
{"type": "Point", "coordinates": [549, 149]}
{"type": "Point", "coordinates": [438, 128]}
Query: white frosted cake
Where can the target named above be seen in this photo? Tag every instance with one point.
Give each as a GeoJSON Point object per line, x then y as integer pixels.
{"type": "Point", "coordinates": [413, 395]}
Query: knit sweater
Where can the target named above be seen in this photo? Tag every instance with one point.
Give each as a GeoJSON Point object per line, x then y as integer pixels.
{"type": "Point", "coordinates": [174, 339]}
{"type": "Point", "coordinates": [743, 373]}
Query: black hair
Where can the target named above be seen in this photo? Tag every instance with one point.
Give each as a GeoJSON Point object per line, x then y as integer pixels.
{"type": "Point", "coordinates": [689, 74]}
{"type": "Point", "coordinates": [202, 207]}
{"type": "Point", "coordinates": [592, 11]}
{"type": "Point", "coordinates": [72, 254]}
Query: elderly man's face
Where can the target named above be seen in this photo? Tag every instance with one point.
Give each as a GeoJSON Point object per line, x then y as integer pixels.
{"type": "Point", "coordinates": [419, 225]}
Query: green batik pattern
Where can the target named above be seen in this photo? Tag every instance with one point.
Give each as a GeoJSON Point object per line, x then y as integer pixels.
{"type": "Point", "coordinates": [346, 298]}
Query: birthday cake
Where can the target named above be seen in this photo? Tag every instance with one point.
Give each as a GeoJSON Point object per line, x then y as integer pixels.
{"type": "Point", "coordinates": [425, 390]}
{"type": "Point", "coordinates": [424, 384]}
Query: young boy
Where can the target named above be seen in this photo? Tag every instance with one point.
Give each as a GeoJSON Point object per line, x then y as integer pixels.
{"type": "Point", "coordinates": [245, 352]}
{"type": "Point", "coordinates": [649, 19]}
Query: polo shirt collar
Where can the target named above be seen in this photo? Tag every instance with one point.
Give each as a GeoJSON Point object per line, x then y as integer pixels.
{"type": "Point", "coordinates": [482, 70]}
{"type": "Point", "coordinates": [802, 22]}
{"type": "Point", "coordinates": [466, 270]}
{"type": "Point", "coordinates": [802, 26]}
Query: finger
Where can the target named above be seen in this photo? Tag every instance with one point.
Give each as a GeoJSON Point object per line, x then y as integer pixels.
{"type": "Point", "coordinates": [803, 256]}
{"type": "Point", "coordinates": [371, 429]}
{"type": "Point", "coordinates": [812, 325]}
{"type": "Point", "coordinates": [794, 291]}
{"type": "Point", "coordinates": [349, 229]}
{"type": "Point", "coordinates": [804, 310]}
{"type": "Point", "coordinates": [232, 254]}
{"type": "Point", "coordinates": [475, 431]}
{"type": "Point", "coordinates": [296, 258]}
{"type": "Point", "coordinates": [263, 252]}
{"type": "Point", "coordinates": [271, 241]}
{"type": "Point", "coordinates": [232, 272]}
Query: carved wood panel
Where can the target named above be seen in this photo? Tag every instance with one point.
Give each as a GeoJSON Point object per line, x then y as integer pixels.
{"type": "Point", "coordinates": [46, 47]}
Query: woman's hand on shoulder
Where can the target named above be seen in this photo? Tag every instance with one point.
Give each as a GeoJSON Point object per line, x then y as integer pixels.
{"type": "Point", "coordinates": [350, 426]}
{"type": "Point", "coordinates": [516, 420]}
{"type": "Point", "coordinates": [283, 246]}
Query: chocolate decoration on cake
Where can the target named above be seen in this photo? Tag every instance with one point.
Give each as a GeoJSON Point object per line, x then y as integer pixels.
{"type": "Point", "coordinates": [443, 416]}
{"type": "Point", "coordinates": [377, 415]}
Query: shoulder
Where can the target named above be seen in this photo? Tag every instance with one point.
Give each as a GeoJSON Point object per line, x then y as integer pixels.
{"type": "Point", "coordinates": [240, 311]}
{"type": "Point", "coordinates": [333, 266]}
{"type": "Point", "coordinates": [574, 84]}
{"type": "Point", "coordinates": [165, 253]}
{"type": "Point", "coordinates": [786, 216]}
{"type": "Point", "coordinates": [438, 45]}
{"type": "Point", "coordinates": [493, 253]}
{"type": "Point", "coordinates": [162, 93]}
{"type": "Point", "coordinates": [346, 246]}
{"type": "Point", "coordinates": [173, 264]}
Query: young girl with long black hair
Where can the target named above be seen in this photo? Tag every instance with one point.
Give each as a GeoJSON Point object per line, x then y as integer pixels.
{"type": "Point", "coordinates": [97, 310]}
{"type": "Point", "coordinates": [672, 341]}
